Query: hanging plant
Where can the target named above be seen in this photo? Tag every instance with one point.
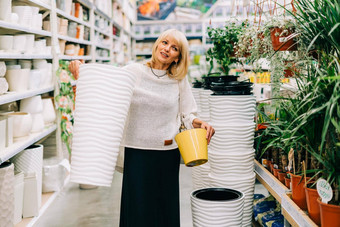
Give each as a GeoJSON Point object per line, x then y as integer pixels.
{"type": "Point", "coordinates": [65, 103]}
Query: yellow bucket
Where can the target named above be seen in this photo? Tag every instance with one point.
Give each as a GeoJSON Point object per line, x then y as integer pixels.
{"type": "Point", "coordinates": [193, 146]}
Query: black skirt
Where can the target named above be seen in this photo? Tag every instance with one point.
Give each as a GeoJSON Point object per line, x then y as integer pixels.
{"type": "Point", "coordinates": [150, 194]}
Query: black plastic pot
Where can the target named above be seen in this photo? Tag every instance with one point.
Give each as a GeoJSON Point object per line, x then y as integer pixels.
{"type": "Point", "coordinates": [232, 88]}
{"type": "Point", "coordinates": [225, 79]}
{"type": "Point", "coordinates": [217, 194]}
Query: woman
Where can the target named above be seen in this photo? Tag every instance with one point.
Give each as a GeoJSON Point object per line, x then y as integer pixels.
{"type": "Point", "coordinates": [161, 99]}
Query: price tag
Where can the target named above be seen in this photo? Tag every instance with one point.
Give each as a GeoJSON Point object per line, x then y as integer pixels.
{"type": "Point", "coordinates": [324, 190]}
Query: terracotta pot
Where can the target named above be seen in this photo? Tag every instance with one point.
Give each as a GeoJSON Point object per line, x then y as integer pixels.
{"type": "Point", "coordinates": [272, 168]}
{"type": "Point", "coordinates": [312, 204]}
{"type": "Point", "coordinates": [276, 172]}
{"type": "Point", "coordinates": [287, 182]}
{"type": "Point", "coordinates": [330, 214]}
{"type": "Point", "coordinates": [282, 42]}
{"type": "Point", "coordinates": [269, 165]}
{"type": "Point", "coordinates": [298, 192]}
{"type": "Point", "coordinates": [281, 176]}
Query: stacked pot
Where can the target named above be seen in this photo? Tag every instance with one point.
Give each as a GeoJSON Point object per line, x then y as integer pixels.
{"type": "Point", "coordinates": [231, 153]}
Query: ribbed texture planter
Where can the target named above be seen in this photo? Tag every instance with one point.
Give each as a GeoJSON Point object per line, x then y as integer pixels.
{"type": "Point", "coordinates": [18, 197]}
{"type": "Point", "coordinates": [231, 152]}
{"type": "Point", "coordinates": [204, 103]}
{"type": "Point", "coordinates": [196, 94]}
{"type": "Point", "coordinates": [200, 176]}
{"type": "Point", "coordinates": [30, 160]}
{"type": "Point", "coordinates": [6, 194]}
{"type": "Point", "coordinates": [104, 95]}
{"type": "Point", "coordinates": [217, 207]}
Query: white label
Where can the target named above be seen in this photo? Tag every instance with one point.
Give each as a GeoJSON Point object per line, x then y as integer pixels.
{"type": "Point", "coordinates": [282, 39]}
{"type": "Point", "coordinates": [324, 190]}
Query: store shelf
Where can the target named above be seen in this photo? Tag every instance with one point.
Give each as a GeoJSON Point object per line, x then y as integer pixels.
{"type": "Point", "coordinates": [74, 40]}
{"type": "Point", "coordinates": [72, 18]}
{"type": "Point", "coordinates": [294, 215]}
{"type": "Point", "coordinates": [102, 46]}
{"type": "Point", "coordinates": [86, 3]}
{"type": "Point", "coordinates": [101, 13]}
{"type": "Point", "coordinates": [21, 144]}
{"type": "Point", "coordinates": [40, 4]}
{"type": "Point", "coordinates": [14, 96]}
{"type": "Point", "coordinates": [46, 201]}
{"type": "Point", "coordinates": [66, 57]}
{"type": "Point", "coordinates": [143, 53]}
{"type": "Point", "coordinates": [5, 55]}
{"type": "Point", "coordinates": [15, 28]}
{"type": "Point", "coordinates": [101, 31]}
{"type": "Point", "coordinates": [103, 58]}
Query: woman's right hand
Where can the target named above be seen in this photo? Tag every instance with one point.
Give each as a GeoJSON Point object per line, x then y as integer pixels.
{"type": "Point", "coordinates": [74, 68]}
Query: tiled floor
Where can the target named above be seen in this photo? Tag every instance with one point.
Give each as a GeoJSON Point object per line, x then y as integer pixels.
{"type": "Point", "coordinates": [100, 207]}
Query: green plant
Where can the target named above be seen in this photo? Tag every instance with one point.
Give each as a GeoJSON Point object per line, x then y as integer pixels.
{"type": "Point", "coordinates": [224, 41]}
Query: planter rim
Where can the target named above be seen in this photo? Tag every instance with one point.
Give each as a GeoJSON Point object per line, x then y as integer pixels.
{"type": "Point", "coordinates": [327, 204]}
{"type": "Point", "coordinates": [240, 194]}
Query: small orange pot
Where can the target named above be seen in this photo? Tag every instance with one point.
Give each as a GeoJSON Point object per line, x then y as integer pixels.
{"type": "Point", "coordinates": [298, 192]}
{"type": "Point", "coordinates": [269, 165]}
{"type": "Point", "coordinates": [281, 176]}
{"type": "Point", "coordinates": [312, 204]}
{"type": "Point", "coordinates": [287, 182]}
{"type": "Point", "coordinates": [276, 172]}
{"type": "Point", "coordinates": [272, 168]}
{"type": "Point", "coordinates": [330, 214]}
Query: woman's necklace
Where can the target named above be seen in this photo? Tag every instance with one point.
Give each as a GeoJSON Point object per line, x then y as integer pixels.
{"type": "Point", "coordinates": [158, 76]}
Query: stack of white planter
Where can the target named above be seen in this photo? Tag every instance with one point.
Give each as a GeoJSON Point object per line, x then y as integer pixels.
{"type": "Point", "coordinates": [204, 104]}
{"type": "Point", "coordinates": [196, 94]}
{"type": "Point", "coordinates": [231, 153]}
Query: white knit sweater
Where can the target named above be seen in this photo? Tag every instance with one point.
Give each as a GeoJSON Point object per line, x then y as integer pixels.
{"type": "Point", "coordinates": [154, 112]}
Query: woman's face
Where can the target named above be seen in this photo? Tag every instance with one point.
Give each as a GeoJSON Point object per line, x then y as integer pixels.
{"type": "Point", "coordinates": [167, 51]}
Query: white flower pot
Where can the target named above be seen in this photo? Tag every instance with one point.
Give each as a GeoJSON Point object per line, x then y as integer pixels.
{"type": "Point", "coordinates": [22, 123]}
{"type": "Point", "coordinates": [48, 112]}
{"type": "Point", "coordinates": [28, 161]}
{"type": "Point", "coordinates": [18, 197]}
{"type": "Point", "coordinates": [5, 9]}
{"type": "Point", "coordinates": [29, 44]}
{"type": "Point", "coordinates": [104, 95]}
{"type": "Point", "coordinates": [2, 68]}
{"type": "Point", "coordinates": [35, 79]}
{"type": "Point", "coordinates": [25, 64]}
{"type": "Point", "coordinates": [32, 104]}
{"type": "Point", "coordinates": [31, 198]}
{"type": "Point", "coordinates": [37, 122]}
{"type": "Point", "coordinates": [6, 42]}
{"type": "Point", "coordinates": [3, 132]}
{"type": "Point", "coordinates": [18, 79]}
{"type": "Point", "coordinates": [25, 15]}
{"type": "Point", "coordinates": [3, 86]}
{"type": "Point", "coordinates": [19, 43]}
{"type": "Point", "coordinates": [6, 194]}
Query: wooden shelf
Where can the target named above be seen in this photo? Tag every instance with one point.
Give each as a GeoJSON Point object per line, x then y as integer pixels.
{"type": "Point", "coordinates": [294, 215]}
{"type": "Point", "coordinates": [14, 96]}
{"type": "Point", "coordinates": [21, 144]}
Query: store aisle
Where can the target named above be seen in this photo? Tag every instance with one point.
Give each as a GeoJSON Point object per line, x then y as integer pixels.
{"type": "Point", "coordinates": [100, 207]}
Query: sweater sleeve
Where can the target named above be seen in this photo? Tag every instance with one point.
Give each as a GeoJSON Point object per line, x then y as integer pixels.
{"type": "Point", "coordinates": [187, 103]}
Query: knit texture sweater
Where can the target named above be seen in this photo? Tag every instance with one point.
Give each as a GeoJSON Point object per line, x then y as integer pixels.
{"type": "Point", "coordinates": [154, 115]}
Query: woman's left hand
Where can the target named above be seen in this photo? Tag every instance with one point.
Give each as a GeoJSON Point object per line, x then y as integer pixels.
{"type": "Point", "coordinates": [210, 130]}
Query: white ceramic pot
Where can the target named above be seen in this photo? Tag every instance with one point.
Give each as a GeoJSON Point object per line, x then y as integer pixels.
{"type": "Point", "coordinates": [35, 79]}
{"type": "Point", "coordinates": [28, 161]}
{"type": "Point", "coordinates": [25, 64]}
{"type": "Point", "coordinates": [48, 113]}
{"type": "Point", "coordinates": [3, 132]}
{"type": "Point", "coordinates": [39, 64]}
{"type": "Point", "coordinates": [14, 18]}
{"type": "Point", "coordinates": [22, 124]}
{"type": "Point", "coordinates": [19, 43]}
{"type": "Point", "coordinates": [13, 67]}
{"type": "Point", "coordinates": [40, 46]}
{"type": "Point", "coordinates": [18, 197]}
{"type": "Point", "coordinates": [31, 197]}
{"type": "Point", "coordinates": [216, 207]}
{"type": "Point", "coordinates": [37, 122]}
{"type": "Point", "coordinates": [2, 68]}
{"type": "Point", "coordinates": [25, 15]}
{"type": "Point", "coordinates": [18, 79]}
{"type": "Point", "coordinates": [7, 194]}
{"type": "Point", "coordinates": [9, 131]}
{"type": "Point", "coordinates": [37, 21]}
{"type": "Point", "coordinates": [5, 9]}
{"type": "Point", "coordinates": [32, 105]}
{"type": "Point", "coordinates": [29, 44]}
{"type": "Point", "coordinates": [3, 86]}
{"type": "Point", "coordinates": [104, 94]}
{"type": "Point", "coordinates": [6, 42]}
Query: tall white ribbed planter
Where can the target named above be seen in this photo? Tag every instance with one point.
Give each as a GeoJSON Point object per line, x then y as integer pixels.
{"type": "Point", "coordinates": [200, 176]}
{"type": "Point", "coordinates": [217, 207]}
{"type": "Point", "coordinates": [6, 194]}
{"type": "Point", "coordinates": [103, 99]}
{"type": "Point", "coordinates": [204, 104]}
{"type": "Point", "coordinates": [28, 161]}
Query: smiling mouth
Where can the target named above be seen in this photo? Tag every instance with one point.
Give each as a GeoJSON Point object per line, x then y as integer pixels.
{"type": "Point", "coordinates": [165, 55]}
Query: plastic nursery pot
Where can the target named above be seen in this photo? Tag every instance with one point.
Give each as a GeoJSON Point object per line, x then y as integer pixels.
{"type": "Point", "coordinates": [276, 172]}
{"type": "Point", "coordinates": [298, 192]}
{"type": "Point", "coordinates": [282, 43]}
{"type": "Point", "coordinates": [330, 214]}
{"type": "Point", "coordinates": [281, 176]}
{"type": "Point", "coordinates": [287, 182]}
{"type": "Point", "coordinates": [312, 204]}
{"type": "Point", "coordinates": [193, 146]}
{"type": "Point", "coordinates": [269, 164]}
{"type": "Point", "coordinates": [272, 168]}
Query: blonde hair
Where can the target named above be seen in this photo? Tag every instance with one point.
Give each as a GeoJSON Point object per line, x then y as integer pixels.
{"type": "Point", "coordinates": [176, 71]}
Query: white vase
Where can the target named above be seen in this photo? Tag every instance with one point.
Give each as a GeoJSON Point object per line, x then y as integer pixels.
{"type": "Point", "coordinates": [28, 161]}
{"type": "Point", "coordinates": [104, 95]}
{"type": "Point", "coordinates": [18, 197]}
{"type": "Point", "coordinates": [216, 207]}
{"type": "Point", "coordinates": [48, 112]}
{"type": "Point", "coordinates": [6, 194]}
{"type": "Point", "coordinates": [37, 122]}
{"type": "Point", "coordinates": [32, 104]}
{"type": "Point", "coordinates": [22, 123]}
{"type": "Point", "coordinates": [18, 79]}
{"type": "Point", "coordinates": [5, 9]}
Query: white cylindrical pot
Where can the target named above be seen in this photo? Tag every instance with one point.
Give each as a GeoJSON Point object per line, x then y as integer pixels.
{"type": "Point", "coordinates": [31, 198]}
{"type": "Point", "coordinates": [35, 79]}
{"type": "Point", "coordinates": [6, 42]}
{"type": "Point", "coordinates": [48, 112]}
{"type": "Point", "coordinates": [25, 64]}
{"type": "Point", "coordinates": [3, 132]}
{"type": "Point", "coordinates": [18, 197]}
{"type": "Point", "coordinates": [6, 194]}
{"type": "Point", "coordinates": [22, 123]}
{"type": "Point", "coordinates": [32, 105]}
{"type": "Point", "coordinates": [30, 160]}
{"type": "Point", "coordinates": [18, 79]}
{"type": "Point", "coordinates": [3, 85]}
{"type": "Point", "coordinates": [104, 95]}
{"type": "Point", "coordinates": [37, 122]}
{"type": "Point", "coordinates": [19, 43]}
{"type": "Point", "coordinates": [2, 68]}
{"type": "Point", "coordinates": [5, 9]}
{"type": "Point", "coordinates": [216, 207]}
{"type": "Point", "coordinates": [29, 44]}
